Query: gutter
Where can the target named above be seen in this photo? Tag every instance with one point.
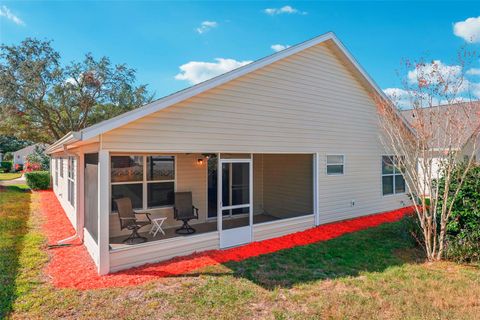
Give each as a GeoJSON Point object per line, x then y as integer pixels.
{"type": "Point", "coordinates": [69, 138]}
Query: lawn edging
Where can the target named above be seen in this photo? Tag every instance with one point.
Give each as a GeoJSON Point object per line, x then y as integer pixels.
{"type": "Point", "coordinates": [72, 267]}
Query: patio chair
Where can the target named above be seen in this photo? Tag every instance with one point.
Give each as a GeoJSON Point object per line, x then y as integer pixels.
{"type": "Point", "coordinates": [128, 220]}
{"type": "Point", "coordinates": [184, 211]}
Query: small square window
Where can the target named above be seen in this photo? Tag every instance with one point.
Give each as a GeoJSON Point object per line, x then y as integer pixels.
{"type": "Point", "coordinates": [335, 164]}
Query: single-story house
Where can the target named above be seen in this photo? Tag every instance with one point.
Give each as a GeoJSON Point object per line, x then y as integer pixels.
{"type": "Point", "coordinates": [280, 145]}
{"type": "Point", "coordinates": [466, 143]}
{"type": "Point", "coordinates": [20, 156]}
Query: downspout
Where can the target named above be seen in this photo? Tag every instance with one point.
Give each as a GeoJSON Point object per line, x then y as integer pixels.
{"type": "Point", "coordinates": [75, 236]}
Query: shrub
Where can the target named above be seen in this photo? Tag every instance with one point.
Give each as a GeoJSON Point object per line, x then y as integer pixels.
{"type": "Point", "coordinates": [39, 157]}
{"type": "Point", "coordinates": [8, 156]}
{"type": "Point", "coordinates": [18, 167]}
{"type": "Point", "coordinates": [32, 166]}
{"type": "Point", "coordinates": [38, 180]}
{"type": "Point", "coordinates": [463, 250]}
{"type": "Point", "coordinates": [463, 228]}
{"type": "Point", "coordinates": [6, 166]}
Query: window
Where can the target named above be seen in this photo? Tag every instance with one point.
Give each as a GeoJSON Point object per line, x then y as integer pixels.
{"type": "Point", "coordinates": [71, 180]}
{"type": "Point", "coordinates": [149, 181]}
{"type": "Point", "coordinates": [56, 171]}
{"type": "Point", "coordinates": [335, 165]}
{"type": "Point", "coordinates": [392, 178]}
{"type": "Point", "coordinates": [61, 167]}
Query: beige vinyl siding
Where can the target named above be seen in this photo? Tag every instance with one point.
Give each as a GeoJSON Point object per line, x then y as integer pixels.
{"type": "Point", "coordinates": [280, 228]}
{"type": "Point", "coordinates": [261, 111]}
{"type": "Point", "coordinates": [309, 102]}
{"type": "Point", "coordinates": [288, 184]}
{"type": "Point", "coordinates": [150, 252]}
{"type": "Point", "coordinates": [361, 183]}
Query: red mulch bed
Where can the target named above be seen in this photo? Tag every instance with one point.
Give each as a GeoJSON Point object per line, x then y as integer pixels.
{"type": "Point", "coordinates": [72, 267]}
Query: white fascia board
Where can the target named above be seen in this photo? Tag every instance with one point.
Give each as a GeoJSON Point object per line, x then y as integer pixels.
{"type": "Point", "coordinates": [65, 140]}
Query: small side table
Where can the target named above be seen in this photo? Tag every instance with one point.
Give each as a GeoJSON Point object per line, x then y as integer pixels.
{"type": "Point", "coordinates": [157, 226]}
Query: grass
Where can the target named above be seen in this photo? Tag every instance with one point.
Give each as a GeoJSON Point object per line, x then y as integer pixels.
{"type": "Point", "coordinates": [9, 176]}
{"type": "Point", "coordinates": [375, 273]}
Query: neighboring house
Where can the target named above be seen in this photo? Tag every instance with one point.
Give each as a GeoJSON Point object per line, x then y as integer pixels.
{"type": "Point", "coordinates": [280, 145]}
{"type": "Point", "coordinates": [20, 156]}
{"type": "Point", "coordinates": [467, 143]}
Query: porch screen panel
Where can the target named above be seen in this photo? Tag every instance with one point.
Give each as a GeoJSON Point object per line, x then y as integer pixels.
{"type": "Point", "coordinates": [91, 194]}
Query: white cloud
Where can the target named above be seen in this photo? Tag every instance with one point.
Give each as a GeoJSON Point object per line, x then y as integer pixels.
{"type": "Point", "coordinates": [474, 89]}
{"type": "Point", "coordinates": [434, 72]}
{"type": "Point", "coordinates": [5, 12]}
{"type": "Point", "coordinates": [469, 29]}
{"type": "Point", "coordinates": [206, 26]}
{"type": "Point", "coordinates": [198, 71]}
{"type": "Point", "coordinates": [474, 71]}
{"type": "Point", "coordinates": [405, 99]}
{"type": "Point", "coordinates": [437, 72]}
{"type": "Point", "coordinates": [279, 47]}
{"type": "Point", "coordinates": [283, 10]}
{"type": "Point", "coordinates": [401, 97]}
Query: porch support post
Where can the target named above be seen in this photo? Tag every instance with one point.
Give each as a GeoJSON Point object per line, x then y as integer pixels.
{"type": "Point", "coordinates": [219, 196]}
{"type": "Point", "coordinates": [103, 211]}
{"type": "Point", "coordinates": [250, 192]}
{"type": "Point", "coordinates": [316, 210]}
{"type": "Point", "coordinates": [80, 196]}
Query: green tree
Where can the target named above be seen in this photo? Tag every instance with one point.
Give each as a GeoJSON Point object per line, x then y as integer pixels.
{"type": "Point", "coordinates": [41, 100]}
{"type": "Point", "coordinates": [11, 144]}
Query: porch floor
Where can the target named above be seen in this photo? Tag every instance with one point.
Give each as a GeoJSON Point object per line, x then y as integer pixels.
{"type": "Point", "coordinates": [117, 242]}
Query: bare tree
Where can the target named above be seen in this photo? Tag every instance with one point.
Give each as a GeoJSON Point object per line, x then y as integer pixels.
{"type": "Point", "coordinates": [430, 126]}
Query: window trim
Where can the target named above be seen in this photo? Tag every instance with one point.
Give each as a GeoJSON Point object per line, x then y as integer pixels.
{"type": "Point", "coordinates": [61, 167]}
{"type": "Point", "coordinates": [56, 172]}
{"type": "Point", "coordinates": [394, 193]}
{"type": "Point", "coordinates": [71, 179]}
{"type": "Point", "coordinates": [335, 164]}
{"type": "Point", "coordinates": [144, 182]}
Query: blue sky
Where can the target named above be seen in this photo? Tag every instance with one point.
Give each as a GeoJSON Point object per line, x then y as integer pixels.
{"type": "Point", "coordinates": [157, 38]}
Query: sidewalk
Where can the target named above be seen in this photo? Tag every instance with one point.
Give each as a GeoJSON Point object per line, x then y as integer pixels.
{"type": "Point", "coordinates": [20, 180]}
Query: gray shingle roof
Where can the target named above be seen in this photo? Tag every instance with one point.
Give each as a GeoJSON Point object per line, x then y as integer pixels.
{"type": "Point", "coordinates": [465, 114]}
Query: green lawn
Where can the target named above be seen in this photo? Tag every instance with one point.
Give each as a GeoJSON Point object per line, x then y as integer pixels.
{"type": "Point", "coordinates": [9, 176]}
{"type": "Point", "coordinates": [375, 273]}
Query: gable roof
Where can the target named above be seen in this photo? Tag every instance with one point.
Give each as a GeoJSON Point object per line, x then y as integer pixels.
{"type": "Point", "coordinates": [32, 147]}
{"type": "Point", "coordinates": [464, 112]}
{"type": "Point", "coordinates": [162, 103]}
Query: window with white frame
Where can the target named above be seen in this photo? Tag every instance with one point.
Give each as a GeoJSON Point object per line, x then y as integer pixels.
{"type": "Point", "coordinates": [61, 167]}
{"type": "Point", "coordinates": [335, 165]}
{"type": "Point", "coordinates": [149, 181]}
{"type": "Point", "coordinates": [56, 171]}
{"type": "Point", "coordinates": [71, 180]}
{"type": "Point", "coordinates": [392, 178]}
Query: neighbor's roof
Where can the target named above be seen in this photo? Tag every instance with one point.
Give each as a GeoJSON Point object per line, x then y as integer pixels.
{"type": "Point", "coordinates": [127, 117]}
{"type": "Point", "coordinates": [32, 146]}
{"type": "Point", "coordinates": [465, 113]}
